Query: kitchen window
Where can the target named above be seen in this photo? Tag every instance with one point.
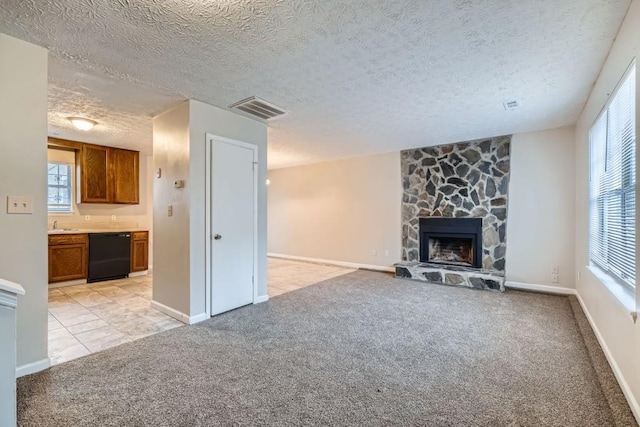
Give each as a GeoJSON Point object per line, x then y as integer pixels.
{"type": "Point", "coordinates": [612, 186]}
{"type": "Point", "coordinates": [60, 187]}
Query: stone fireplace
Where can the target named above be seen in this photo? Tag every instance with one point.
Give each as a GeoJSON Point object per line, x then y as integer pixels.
{"type": "Point", "coordinates": [454, 213]}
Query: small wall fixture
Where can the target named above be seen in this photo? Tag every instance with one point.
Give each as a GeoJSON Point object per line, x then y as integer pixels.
{"type": "Point", "coordinates": [81, 123]}
{"type": "Point", "coordinates": [268, 181]}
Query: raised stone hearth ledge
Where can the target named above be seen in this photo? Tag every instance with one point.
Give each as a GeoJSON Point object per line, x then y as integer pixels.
{"type": "Point", "coordinates": [466, 277]}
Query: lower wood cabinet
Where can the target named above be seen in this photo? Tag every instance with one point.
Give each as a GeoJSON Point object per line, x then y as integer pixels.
{"type": "Point", "coordinates": [139, 251]}
{"type": "Point", "coordinates": [68, 257]}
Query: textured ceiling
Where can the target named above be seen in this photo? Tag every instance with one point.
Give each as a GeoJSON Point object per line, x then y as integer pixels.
{"type": "Point", "coordinates": [359, 76]}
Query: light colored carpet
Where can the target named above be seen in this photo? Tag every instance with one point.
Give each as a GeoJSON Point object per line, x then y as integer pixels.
{"type": "Point", "coordinates": [360, 349]}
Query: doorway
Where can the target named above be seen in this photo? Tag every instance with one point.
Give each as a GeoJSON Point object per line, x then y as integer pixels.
{"type": "Point", "coordinates": [232, 223]}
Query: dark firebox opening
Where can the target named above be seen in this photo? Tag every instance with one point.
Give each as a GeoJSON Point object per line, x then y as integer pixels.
{"type": "Point", "coordinates": [451, 241]}
{"type": "Point", "coordinates": [458, 251]}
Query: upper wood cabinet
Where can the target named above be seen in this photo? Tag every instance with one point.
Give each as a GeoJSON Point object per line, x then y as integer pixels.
{"type": "Point", "coordinates": [125, 176]}
{"type": "Point", "coordinates": [108, 175]}
{"type": "Point", "coordinates": [96, 174]}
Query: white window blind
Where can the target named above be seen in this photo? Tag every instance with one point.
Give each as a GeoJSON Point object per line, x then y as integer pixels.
{"type": "Point", "coordinates": [612, 192]}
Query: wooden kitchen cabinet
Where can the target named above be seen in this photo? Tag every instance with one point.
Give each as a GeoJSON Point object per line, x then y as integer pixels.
{"type": "Point", "coordinates": [125, 176]}
{"type": "Point", "coordinates": [108, 175]}
{"type": "Point", "coordinates": [139, 251]}
{"type": "Point", "coordinates": [96, 175]}
{"type": "Point", "coordinates": [68, 257]}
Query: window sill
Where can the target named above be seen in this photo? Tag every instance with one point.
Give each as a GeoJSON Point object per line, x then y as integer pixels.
{"type": "Point", "coordinates": [622, 294]}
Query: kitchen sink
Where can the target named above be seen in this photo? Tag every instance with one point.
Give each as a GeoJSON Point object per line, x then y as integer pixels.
{"type": "Point", "coordinates": [57, 230]}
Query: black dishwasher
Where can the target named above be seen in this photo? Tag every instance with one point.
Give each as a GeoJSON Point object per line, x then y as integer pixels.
{"type": "Point", "coordinates": [109, 256]}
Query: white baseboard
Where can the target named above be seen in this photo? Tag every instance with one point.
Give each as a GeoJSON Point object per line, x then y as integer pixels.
{"type": "Point", "coordinates": [333, 262]}
{"type": "Point", "coordinates": [32, 368]}
{"type": "Point", "coordinates": [540, 288]}
{"type": "Point", "coordinates": [198, 318]}
{"type": "Point", "coordinates": [178, 315]}
{"type": "Point", "coordinates": [626, 390]}
{"type": "Point", "coordinates": [261, 298]}
{"type": "Point", "coordinates": [67, 283]}
{"type": "Point", "coordinates": [139, 273]}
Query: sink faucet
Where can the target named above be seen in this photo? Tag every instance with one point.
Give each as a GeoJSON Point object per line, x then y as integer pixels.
{"type": "Point", "coordinates": [55, 225]}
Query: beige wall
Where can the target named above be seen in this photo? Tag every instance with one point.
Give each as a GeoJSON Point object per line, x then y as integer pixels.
{"type": "Point", "coordinates": [179, 138]}
{"type": "Point", "coordinates": [23, 166]}
{"type": "Point", "coordinates": [171, 241]}
{"type": "Point", "coordinates": [619, 334]}
{"type": "Point", "coordinates": [340, 211]}
{"type": "Point", "coordinates": [540, 228]}
{"type": "Point", "coordinates": [140, 215]}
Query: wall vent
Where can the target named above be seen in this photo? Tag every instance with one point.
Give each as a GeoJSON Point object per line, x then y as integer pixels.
{"type": "Point", "coordinates": [259, 108]}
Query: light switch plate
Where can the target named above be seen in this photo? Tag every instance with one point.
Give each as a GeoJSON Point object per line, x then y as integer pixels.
{"type": "Point", "coordinates": [19, 205]}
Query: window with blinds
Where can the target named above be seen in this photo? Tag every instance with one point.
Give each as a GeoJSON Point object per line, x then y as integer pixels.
{"type": "Point", "coordinates": [59, 187]}
{"type": "Point", "coordinates": [612, 187]}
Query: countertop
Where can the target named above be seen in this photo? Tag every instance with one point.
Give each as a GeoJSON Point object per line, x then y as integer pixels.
{"type": "Point", "coordinates": [96, 230]}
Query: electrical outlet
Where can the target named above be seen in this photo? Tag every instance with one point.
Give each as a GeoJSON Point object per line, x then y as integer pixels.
{"type": "Point", "coordinates": [170, 210]}
{"type": "Point", "coordinates": [87, 217]}
{"type": "Point", "coordinates": [578, 274]}
{"type": "Point", "coordinates": [554, 269]}
{"type": "Point", "coordinates": [386, 252]}
{"type": "Point", "coordinates": [554, 278]}
{"type": "Point", "coordinates": [113, 218]}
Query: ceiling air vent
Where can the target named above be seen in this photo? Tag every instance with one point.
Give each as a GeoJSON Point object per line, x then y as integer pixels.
{"type": "Point", "coordinates": [259, 108]}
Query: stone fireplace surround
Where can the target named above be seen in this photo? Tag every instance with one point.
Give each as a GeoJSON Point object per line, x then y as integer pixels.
{"type": "Point", "coordinates": [463, 180]}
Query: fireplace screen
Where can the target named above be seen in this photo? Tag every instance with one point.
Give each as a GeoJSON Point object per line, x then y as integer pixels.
{"type": "Point", "coordinates": [451, 250]}
{"type": "Point", "coordinates": [453, 241]}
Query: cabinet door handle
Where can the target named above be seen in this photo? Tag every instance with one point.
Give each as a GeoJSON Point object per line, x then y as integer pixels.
{"type": "Point", "coordinates": [217, 236]}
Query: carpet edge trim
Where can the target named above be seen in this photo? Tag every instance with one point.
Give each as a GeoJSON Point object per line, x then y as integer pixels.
{"type": "Point", "coordinates": [332, 262]}
{"type": "Point", "coordinates": [33, 367]}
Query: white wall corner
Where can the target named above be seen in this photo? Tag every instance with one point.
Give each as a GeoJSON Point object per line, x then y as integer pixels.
{"type": "Point", "coordinates": [32, 368]}
{"type": "Point", "coordinates": [197, 318]}
{"type": "Point", "coordinates": [261, 298]}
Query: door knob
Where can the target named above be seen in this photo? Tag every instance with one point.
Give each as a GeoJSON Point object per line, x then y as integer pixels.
{"type": "Point", "coordinates": [217, 236]}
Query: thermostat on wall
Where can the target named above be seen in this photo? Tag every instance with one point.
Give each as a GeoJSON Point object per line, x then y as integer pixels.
{"type": "Point", "coordinates": [179, 183]}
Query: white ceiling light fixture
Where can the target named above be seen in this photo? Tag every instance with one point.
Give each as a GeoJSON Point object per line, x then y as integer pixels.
{"type": "Point", "coordinates": [82, 124]}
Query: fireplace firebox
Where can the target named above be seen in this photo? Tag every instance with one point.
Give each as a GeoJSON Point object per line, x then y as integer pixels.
{"type": "Point", "coordinates": [451, 241]}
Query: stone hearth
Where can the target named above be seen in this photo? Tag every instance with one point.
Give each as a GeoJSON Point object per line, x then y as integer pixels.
{"type": "Point", "coordinates": [451, 275]}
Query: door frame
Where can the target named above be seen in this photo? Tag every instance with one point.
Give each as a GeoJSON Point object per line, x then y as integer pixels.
{"type": "Point", "coordinates": [210, 138]}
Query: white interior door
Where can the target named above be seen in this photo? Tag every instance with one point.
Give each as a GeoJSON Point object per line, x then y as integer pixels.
{"type": "Point", "coordinates": [233, 205]}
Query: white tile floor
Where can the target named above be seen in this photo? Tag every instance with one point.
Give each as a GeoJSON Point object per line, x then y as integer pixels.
{"type": "Point", "coordinates": [285, 275]}
{"type": "Point", "coordinates": [85, 319]}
